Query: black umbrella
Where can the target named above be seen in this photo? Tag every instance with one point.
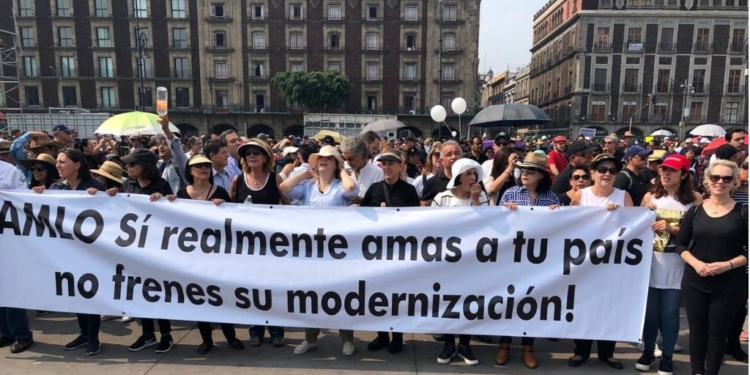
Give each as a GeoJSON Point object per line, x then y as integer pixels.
{"type": "Point", "coordinates": [513, 114]}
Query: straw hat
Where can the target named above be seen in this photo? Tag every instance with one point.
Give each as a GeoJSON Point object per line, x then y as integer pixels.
{"type": "Point", "coordinates": [41, 158]}
{"type": "Point", "coordinates": [199, 159]}
{"type": "Point", "coordinates": [325, 151]}
{"type": "Point", "coordinates": [111, 171]}
{"type": "Point", "coordinates": [54, 144]}
{"type": "Point", "coordinates": [536, 161]}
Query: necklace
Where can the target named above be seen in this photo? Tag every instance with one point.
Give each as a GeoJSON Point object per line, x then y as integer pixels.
{"type": "Point", "coordinates": [322, 188]}
{"type": "Point", "coordinates": [255, 183]}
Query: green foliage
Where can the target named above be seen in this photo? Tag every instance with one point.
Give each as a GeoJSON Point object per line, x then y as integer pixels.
{"type": "Point", "coordinates": [314, 91]}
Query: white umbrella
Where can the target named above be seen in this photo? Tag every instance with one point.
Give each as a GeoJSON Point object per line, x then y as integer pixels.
{"type": "Point", "coordinates": [709, 130]}
{"type": "Point", "coordinates": [383, 125]}
{"type": "Point", "coordinates": [662, 133]}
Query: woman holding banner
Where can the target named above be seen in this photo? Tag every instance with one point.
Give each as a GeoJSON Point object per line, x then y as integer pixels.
{"type": "Point", "coordinates": [330, 187]}
{"type": "Point", "coordinates": [603, 194]}
{"type": "Point", "coordinates": [75, 175]}
{"type": "Point", "coordinates": [671, 196]}
{"type": "Point", "coordinates": [43, 170]}
{"type": "Point", "coordinates": [713, 243]}
{"type": "Point", "coordinates": [580, 178]}
{"type": "Point", "coordinates": [533, 189]}
{"type": "Point", "coordinates": [392, 192]}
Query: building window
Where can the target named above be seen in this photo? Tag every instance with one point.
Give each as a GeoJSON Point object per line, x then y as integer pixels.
{"type": "Point", "coordinates": [333, 41]}
{"type": "Point", "coordinates": [181, 68]}
{"type": "Point", "coordinates": [600, 80]}
{"type": "Point", "coordinates": [628, 109]}
{"type": "Point", "coordinates": [372, 12]}
{"type": "Point", "coordinates": [221, 70]}
{"type": "Point", "coordinates": [738, 40]}
{"type": "Point", "coordinates": [667, 36]}
{"type": "Point", "coordinates": [63, 8]}
{"type": "Point", "coordinates": [259, 69]}
{"type": "Point", "coordinates": [70, 96]}
{"type": "Point", "coordinates": [660, 112]}
{"type": "Point", "coordinates": [144, 67]}
{"type": "Point", "coordinates": [410, 102]}
{"type": "Point", "coordinates": [65, 36]}
{"type": "Point", "coordinates": [411, 42]}
{"type": "Point", "coordinates": [222, 98]}
{"type": "Point", "coordinates": [634, 42]}
{"type": "Point", "coordinates": [732, 113]}
{"type": "Point", "coordinates": [32, 95]}
{"type": "Point", "coordinates": [26, 9]}
{"type": "Point", "coordinates": [602, 38]}
{"type": "Point", "coordinates": [334, 12]}
{"type": "Point", "coordinates": [662, 80]}
{"type": "Point", "coordinates": [334, 66]}
{"type": "Point", "coordinates": [179, 38]}
{"type": "Point", "coordinates": [101, 8]}
{"type": "Point", "coordinates": [260, 101]}
{"type": "Point", "coordinates": [372, 102]}
{"type": "Point", "coordinates": [631, 80]}
{"type": "Point", "coordinates": [217, 10]}
{"type": "Point", "coordinates": [220, 39]}
{"type": "Point", "coordinates": [106, 68]}
{"type": "Point", "coordinates": [410, 71]}
{"type": "Point", "coordinates": [259, 40]}
{"type": "Point", "coordinates": [27, 36]}
{"type": "Point", "coordinates": [258, 13]}
{"type": "Point", "coordinates": [102, 37]}
{"type": "Point", "coordinates": [297, 66]}
{"type": "Point", "coordinates": [373, 41]}
{"type": "Point", "coordinates": [696, 111]}
{"type": "Point", "coordinates": [734, 81]}
{"type": "Point", "coordinates": [598, 111]}
{"type": "Point", "coordinates": [449, 42]}
{"type": "Point", "coordinates": [371, 71]}
{"type": "Point", "coordinates": [182, 97]}
{"type": "Point", "coordinates": [178, 9]}
{"type": "Point", "coordinates": [147, 97]}
{"type": "Point", "coordinates": [67, 66]}
{"type": "Point", "coordinates": [410, 13]}
{"type": "Point", "coordinates": [141, 8]}
{"type": "Point", "coordinates": [699, 78]}
{"type": "Point", "coordinates": [446, 99]}
{"type": "Point", "coordinates": [449, 72]}
{"type": "Point", "coordinates": [450, 13]}
{"type": "Point", "coordinates": [30, 67]}
{"type": "Point", "coordinates": [295, 11]}
{"type": "Point", "coordinates": [108, 97]}
{"type": "Point", "coordinates": [296, 40]}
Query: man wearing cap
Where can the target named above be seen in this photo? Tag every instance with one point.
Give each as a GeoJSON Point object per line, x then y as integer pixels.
{"type": "Point", "coordinates": [413, 164]}
{"type": "Point", "coordinates": [579, 153]}
{"type": "Point", "coordinates": [630, 178]}
{"type": "Point", "coordinates": [557, 158]}
{"type": "Point", "coordinates": [232, 140]}
{"type": "Point", "coordinates": [173, 160]}
{"type": "Point", "coordinates": [726, 152]}
{"type": "Point", "coordinates": [288, 156]}
{"type": "Point", "coordinates": [355, 153]}
{"type": "Point", "coordinates": [61, 135]}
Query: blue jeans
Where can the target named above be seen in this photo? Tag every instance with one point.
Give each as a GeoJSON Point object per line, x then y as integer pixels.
{"type": "Point", "coordinates": [662, 314]}
{"type": "Point", "coordinates": [14, 323]}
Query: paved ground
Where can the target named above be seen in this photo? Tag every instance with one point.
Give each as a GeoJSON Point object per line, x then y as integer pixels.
{"type": "Point", "coordinates": [419, 355]}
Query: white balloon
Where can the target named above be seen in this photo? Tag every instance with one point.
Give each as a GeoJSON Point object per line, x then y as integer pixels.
{"type": "Point", "coordinates": [438, 113]}
{"type": "Point", "coordinates": [453, 133]}
{"type": "Point", "coordinates": [458, 105]}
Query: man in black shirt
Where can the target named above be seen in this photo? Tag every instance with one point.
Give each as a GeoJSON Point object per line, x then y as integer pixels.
{"type": "Point", "coordinates": [579, 153]}
{"type": "Point", "coordinates": [630, 178]}
{"type": "Point", "coordinates": [477, 151]}
{"type": "Point", "coordinates": [449, 153]}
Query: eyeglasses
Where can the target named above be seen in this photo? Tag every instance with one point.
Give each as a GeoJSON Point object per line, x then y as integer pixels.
{"type": "Point", "coordinates": [202, 166]}
{"type": "Point", "coordinates": [38, 168]}
{"type": "Point", "coordinates": [725, 179]}
{"type": "Point", "coordinates": [253, 153]}
{"type": "Point", "coordinates": [603, 170]}
{"type": "Point", "coordinates": [577, 177]}
{"type": "Point", "coordinates": [529, 171]}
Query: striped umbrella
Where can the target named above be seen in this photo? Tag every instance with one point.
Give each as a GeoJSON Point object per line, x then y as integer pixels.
{"type": "Point", "coordinates": [133, 123]}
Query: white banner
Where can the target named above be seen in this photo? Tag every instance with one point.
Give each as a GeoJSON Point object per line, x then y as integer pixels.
{"type": "Point", "coordinates": [574, 272]}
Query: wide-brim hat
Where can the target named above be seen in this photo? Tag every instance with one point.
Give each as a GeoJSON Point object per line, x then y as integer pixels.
{"type": "Point", "coordinates": [460, 167]}
{"type": "Point", "coordinates": [606, 157]}
{"type": "Point", "coordinates": [41, 158]}
{"type": "Point", "coordinates": [54, 144]}
{"type": "Point", "coordinates": [5, 147]}
{"type": "Point", "coordinates": [199, 159]}
{"type": "Point", "coordinates": [242, 150]}
{"type": "Point", "coordinates": [325, 151]}
{"type": "Point", "coordinates": [111, 171]}
{"type": "Point", "coordinates": [534, 160]}
{"type": "Point", "coordinates": [390, 156]}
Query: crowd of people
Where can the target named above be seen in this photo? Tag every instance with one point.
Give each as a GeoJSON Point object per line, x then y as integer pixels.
{"type": "Point", "coordinates": [700, 198]}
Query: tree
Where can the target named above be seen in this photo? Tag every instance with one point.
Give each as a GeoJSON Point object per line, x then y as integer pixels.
{"type": "Point", "coordinates": [314, 91]}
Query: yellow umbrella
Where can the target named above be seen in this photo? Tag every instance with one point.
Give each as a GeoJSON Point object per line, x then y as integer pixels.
{"type": "Point", "coordinates": [336, 136]}
{"type": "Point", "coordinates": [133, 123]}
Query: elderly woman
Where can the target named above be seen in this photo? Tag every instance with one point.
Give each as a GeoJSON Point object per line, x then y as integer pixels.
{"type": "Point", "coordinates": [602, 194]}
{"type": "Point", "coordinates": [463, 190]}
{"type": "Point", "coordinates": [533, 189]}
{"type": "Point", "coordinates": [392, 192]}
{"type": "Point", "coordinates": [43, 170]}
{"type": "Point", "coordinates": [330, 187]}
{"type": "Point", "coordinates": [75, 175]}
{"type": "Point", "coordinates": [433, 166]}
{"type": "Point", "coordinates": [671, 196]}
{"type": "Point", "coordinates": [713, 243]}
{"type": "Point", "coordinates": [580, 178]}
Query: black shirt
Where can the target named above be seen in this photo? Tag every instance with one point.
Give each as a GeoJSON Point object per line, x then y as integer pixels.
{"type": "Point", "coordinates": [479, 159]}
{"type": "Point", "coordinates": [561, 184]}
{"type": "Point", "coordinates": [434, 186]}
{"type": "Point", "coordinates": [634, 184]}
{"type": "Point", "coordinates": [564, 199]}
{"type": "Point", "coordinates": [269, 194]}
{"type": "Point", "coordinates": [159, 185]}
{"type": "Point", "coordinates": [219, 193]}
{"type": "Point", "coordinates": [83, 185]}
{"type": "Point", "coordinates": [412, 170]}
{"type": "Point", "coordinates": [402, 194]}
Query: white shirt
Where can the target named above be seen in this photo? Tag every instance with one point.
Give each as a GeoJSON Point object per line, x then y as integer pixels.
{"type": "Point", "coordinates": [419, 182]}
{"type": "Point", "coordinates": [11, 178]}
{"type": "Point", "coordinates": [368, 175]}
{"type": "Point", "coordinates": [447, 199]}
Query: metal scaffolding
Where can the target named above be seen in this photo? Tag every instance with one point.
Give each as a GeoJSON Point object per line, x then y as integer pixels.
{"type": "Point", "coordinates": [10, 55]}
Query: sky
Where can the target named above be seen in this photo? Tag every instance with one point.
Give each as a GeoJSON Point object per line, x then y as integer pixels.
{"type": "Point", "coordinates": [505, 33]}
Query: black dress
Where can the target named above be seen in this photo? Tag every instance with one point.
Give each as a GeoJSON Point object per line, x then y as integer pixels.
{"type": "Point", "coordinates": [219, 193]}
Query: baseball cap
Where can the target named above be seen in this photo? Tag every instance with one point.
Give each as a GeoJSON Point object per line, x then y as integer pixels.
{"type": "Point", "coordinates": [262, 136]}
{"type": "Point", "coordinates": [289, 150]}
{"type": "Point", "coordinates": [580, 147]}
{"type": "Point", "coordinates": [676, 162]}
{"type": "Point", "coordinates": [61, 128]}
{"type": "Point", "coordinates": [724, 152]}
{"type": "Point", "coordinates": [412, 151]}
{"type": "Point", "coordinates": [140, 155]}
{"type": "Point", "coordinates": [637, 150]}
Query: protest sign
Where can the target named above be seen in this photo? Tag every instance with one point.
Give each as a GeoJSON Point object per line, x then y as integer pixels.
{"type": "Point", "coordinates": [587, 132]}
{"type": "Point", "coordinates": [575, 272]}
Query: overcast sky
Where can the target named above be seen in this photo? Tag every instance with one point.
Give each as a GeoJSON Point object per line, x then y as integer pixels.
{"type": "Point", "coordinates": [505, 33]}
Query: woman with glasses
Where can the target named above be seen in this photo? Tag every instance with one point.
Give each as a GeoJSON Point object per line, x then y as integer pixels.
{"type": "Point", "coordinates": [432, 166]}
{"type": "Point", "coordinates": [671, 196]}
{"type": "Point", "coordinates": [532, 189]}
{"type": "Point", "coordinates": [43, 170]}
{"type": "Point", "coordinates": [580, 178]}
{"type": "Point", "coordinates": [713, 243]}
{"type": "Point", "coordinates": [601, 194]}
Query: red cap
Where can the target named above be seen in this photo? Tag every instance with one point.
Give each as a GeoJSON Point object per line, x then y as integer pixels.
{"type": "Point", "coordinates": [676, 162]}
{"type": "Point", "coordinates": [559, 139]}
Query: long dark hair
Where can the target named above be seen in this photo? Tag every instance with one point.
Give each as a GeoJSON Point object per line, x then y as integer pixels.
{"type": "Point", "coordinates": [52, 176]}
{"type": "Point", "coordinates": [84, 173]}
{"type": "Point", "coordinates": [500, 161]}
{"type": "Point", "coordinates": [189, 175]}
{"type": "Point", "coordinates": [685, 193]}
{"type": "Point", "coordinates": [544, 185]}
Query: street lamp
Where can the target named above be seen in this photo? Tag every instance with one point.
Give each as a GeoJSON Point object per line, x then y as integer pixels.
{"type": "Point", "coordinates": [686, 90]}
{"type": "Point", "coordinates": [142, 42]}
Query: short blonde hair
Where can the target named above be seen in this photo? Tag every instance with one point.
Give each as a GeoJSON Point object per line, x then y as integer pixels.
{"type": "Point", "coordinates": [725, 163]}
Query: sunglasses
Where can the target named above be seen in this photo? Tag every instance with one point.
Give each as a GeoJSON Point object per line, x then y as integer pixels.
{"type": "Point", "coordinates": [132, 165]}
{"type": "Point", "coordinates": [38, 168]}
{"type": "Point", "coordinates": [253, 153]}
{"type": "Point", "coordinates": [577, 177]}
{"type": "Point", "coordinates": [202, 166]}
{"type": "Point", "coordinates": [529, 171]}
{"type": "Point", "coordinates": [725, 179]}
{"type": "Point", "coordinates": [603, 170]}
